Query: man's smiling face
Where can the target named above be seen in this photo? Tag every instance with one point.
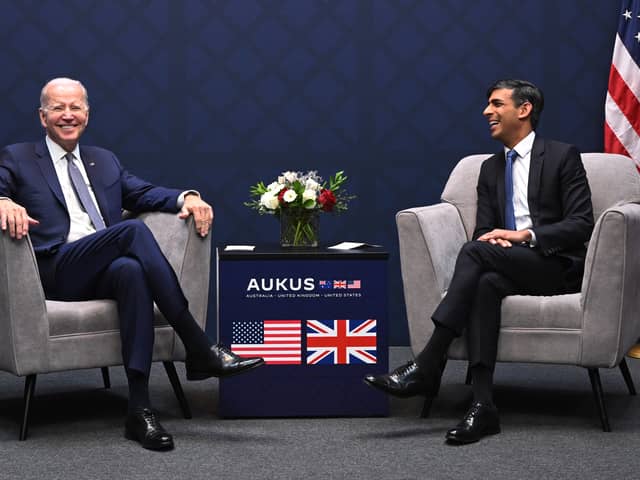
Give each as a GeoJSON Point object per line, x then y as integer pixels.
{"type": "Point", "coordinates": [65, 114]}
{"type": "Point", "coordinates": [508, 123]}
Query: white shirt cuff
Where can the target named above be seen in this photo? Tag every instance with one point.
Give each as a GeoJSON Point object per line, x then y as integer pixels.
{"type": "Point", "coordinates": [182, 195]}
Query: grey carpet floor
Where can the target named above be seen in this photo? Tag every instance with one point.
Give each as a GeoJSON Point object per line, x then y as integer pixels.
{"type": "Point", "coordinates": [550, 430]}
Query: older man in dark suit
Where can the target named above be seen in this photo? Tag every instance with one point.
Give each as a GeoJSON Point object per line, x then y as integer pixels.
{"type": "Point", "coordinates": [534, 216]}
{"type": "Point", "coordinates": [70, 199]}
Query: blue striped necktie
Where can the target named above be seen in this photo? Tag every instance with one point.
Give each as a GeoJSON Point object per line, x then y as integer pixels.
{"type": "Point", "coordinates": [509, 214]}
{"type": "Point", "coordinates": [82, 191]}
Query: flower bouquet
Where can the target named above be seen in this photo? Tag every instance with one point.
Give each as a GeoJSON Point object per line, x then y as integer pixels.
{"type": "Point", "coordinates": [297, 199]}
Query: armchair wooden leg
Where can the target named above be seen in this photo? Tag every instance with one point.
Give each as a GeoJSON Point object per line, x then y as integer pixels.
{"type": "Point", "coordinates": [624, 368]}
{"type": "Point", "coordinates": [29, 387]}
{"type": "Point", "coordinates": [596, 386]}
{"type": "Point", "coordinates": [105, 377]}
{"type": "Point", "coordinates": [177, 388]}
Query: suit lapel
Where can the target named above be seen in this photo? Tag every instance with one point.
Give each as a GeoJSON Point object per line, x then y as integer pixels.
{"type": "Point", "coordinates": [535, 173]}
{"type": "Point", "coordinates": [44, 161]}
{"type": "Point", "coordinates": [92, 169]}
{"type": "Point", "coordinates": [500, 183]}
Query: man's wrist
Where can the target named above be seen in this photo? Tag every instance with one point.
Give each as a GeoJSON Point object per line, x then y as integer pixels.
{"type": "Point", "coordinates": [532, 241]}
{"type": "Point", "coordinates": [184, 195]}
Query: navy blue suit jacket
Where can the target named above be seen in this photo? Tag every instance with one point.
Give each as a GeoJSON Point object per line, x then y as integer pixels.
{"type": "Point", "coordinates": [28, 177]}
{"type": "Point", "coordinates": [559, 201]}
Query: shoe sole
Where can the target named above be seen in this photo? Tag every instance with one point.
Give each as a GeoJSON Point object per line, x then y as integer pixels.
{"type": "Point", "coordinates": [194, 376]}
{"type": "Point", "coordinates": [164, 447]}
{"type": "Point", "coordinates": [394, 392]}
{"type": "Point", "coordinates": [458, 441]}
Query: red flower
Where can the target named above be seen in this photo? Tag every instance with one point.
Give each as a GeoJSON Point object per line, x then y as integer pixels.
{"type": "Point", "coordinates": [281, 197]}
{"type": "Point", "coordinates": [327, 200]}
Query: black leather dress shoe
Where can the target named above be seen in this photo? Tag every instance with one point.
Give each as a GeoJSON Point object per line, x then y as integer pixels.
{"type": "Point", "coordinates": [220, 362]}
{"type": "Point", "coordinates": [481, 420]}
{"type": "Point", "coordinates": [143, 426]}
{"type": "Point", "coordinates": [406, 381]}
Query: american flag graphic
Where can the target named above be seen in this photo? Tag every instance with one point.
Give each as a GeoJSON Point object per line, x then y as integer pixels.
{"type": "Point", "coordinates": [279, 342]}
{"type": "Point", "coordinates": [339, 342]}
{"type": "Point", "coordinates": [622, 106]}
{"type": "Point", "coordinates": [353, 284]}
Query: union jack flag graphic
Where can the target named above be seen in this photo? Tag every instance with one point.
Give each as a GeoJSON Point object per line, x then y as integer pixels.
{"type": "Point", "coordinates": [341, 342]}
{"type": "Point", "coordinates": [339, 284]}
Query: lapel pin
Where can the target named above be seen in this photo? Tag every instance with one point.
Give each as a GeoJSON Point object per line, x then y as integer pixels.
{"type": "Point", "coordinates": [92, 164]}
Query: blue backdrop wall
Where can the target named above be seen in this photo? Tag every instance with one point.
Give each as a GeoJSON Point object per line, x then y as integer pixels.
{"type": "Point", "coordinates": [218, 94]}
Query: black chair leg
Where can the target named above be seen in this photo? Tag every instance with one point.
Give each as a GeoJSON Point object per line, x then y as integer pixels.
{"type": "Point", "coordinates": [105, 377]}
{"type": "Point", "coordinates": [467, 378]}
{"type": "Point", "coordinates": [624, 368]}
{"type": "Point", "coordinates": [29, 387]}
{"type": "Point", "coordinates": [596, 386]}
{"type": "Point", "coordinates": [177, 388]}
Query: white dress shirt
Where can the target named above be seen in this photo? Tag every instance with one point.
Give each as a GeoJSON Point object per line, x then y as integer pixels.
{"type": "Point", "coordinates": [521, 183]}
{"type": "Point", "coordinates": [80, 223]}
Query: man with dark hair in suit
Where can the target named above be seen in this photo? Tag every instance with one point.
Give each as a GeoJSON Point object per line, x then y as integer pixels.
{"type": "Point", "coordinates": [70, 199]}
{"type": "Point", "coordinates": [534, 216]}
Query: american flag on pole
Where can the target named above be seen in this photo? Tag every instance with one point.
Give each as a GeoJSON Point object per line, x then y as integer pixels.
{"type": "Point", "coordinates": [279, 342]}
{"type": "Point", "coordinates": [337, 342]}
{"type": "Point", "coordinates": [622, 107]}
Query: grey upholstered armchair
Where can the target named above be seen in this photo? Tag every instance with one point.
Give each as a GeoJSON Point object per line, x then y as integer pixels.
{"type": "Point", "coordinates": [43, 336]}
{"type": "Point", "coordinates": [593, 328]}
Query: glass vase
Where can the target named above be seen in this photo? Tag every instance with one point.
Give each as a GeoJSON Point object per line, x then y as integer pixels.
{"type": "Point", "coordinates": [299, 227]}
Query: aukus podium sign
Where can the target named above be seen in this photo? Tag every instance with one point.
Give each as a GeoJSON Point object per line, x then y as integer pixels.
{"type": "Point", "coordinates": [318, 317]}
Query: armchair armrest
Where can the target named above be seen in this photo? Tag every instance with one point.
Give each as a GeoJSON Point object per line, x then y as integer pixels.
{"type": "Point", "coordinates": [24, 327]}
{"type": "Point", "coordinates": [430, 239]}
{"type": "Point", "coordinates": [611, 287]}
{"type": "Point", "coordinates": [188, 253]}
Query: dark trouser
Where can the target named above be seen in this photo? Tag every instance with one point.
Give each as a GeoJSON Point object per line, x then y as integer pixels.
{"type": "Point", "coordinates": [124, 263]}
{"type": "Point", "coordinates": [484, 274]}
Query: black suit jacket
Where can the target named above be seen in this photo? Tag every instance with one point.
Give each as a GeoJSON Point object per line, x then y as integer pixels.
{"type": "Point", "coordinates": [559, 201]}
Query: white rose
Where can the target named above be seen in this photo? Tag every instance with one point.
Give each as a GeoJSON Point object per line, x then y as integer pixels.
{"type": "Point", "coordinates": [290, 196]}
{"type": "Point", "coordinates": [309, 195]}
{"type": "Point", "coordinates": [290, 176]}
{"type": "Point", "coordinates": [281, 179]}
{"type": "Point", "coordinates": [274, 186]}
{"type": "Point", "coordinates": [269, 200]}
{"type": "Point", "coordinates": [312, 184]}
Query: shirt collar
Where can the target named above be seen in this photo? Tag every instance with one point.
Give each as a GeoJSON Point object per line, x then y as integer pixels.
{"type": "Point", "coordinates": [57, 152]}
{"type": "Point", "coordinates": [524, 146]}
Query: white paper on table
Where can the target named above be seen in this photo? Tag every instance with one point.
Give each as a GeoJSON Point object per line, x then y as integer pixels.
{"type": "Point", "coordinates": [246, 248]}
{"type": "Point", "coordinates": [351, 245]}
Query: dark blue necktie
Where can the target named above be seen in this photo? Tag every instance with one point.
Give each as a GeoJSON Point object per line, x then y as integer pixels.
{"type": "Point", "coordinates": [509, 215]}
{"type": "Point", "coordinates": [82, 191]}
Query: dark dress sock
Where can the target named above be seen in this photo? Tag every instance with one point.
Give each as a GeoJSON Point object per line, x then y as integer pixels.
{"type": "Point", "coordinates": [431, 357]}
{"type": "Point", "coordinates": [195, 341]}
{"type": "Point", "coordinates": [138, 390]}
{"type": "Point", "coordinates": [482, 384]}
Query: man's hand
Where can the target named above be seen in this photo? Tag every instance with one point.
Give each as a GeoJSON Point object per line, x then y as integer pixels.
{"type": "Point", "coordinates": [15, 217]}
{"type": "Point", "coordinates": [505, 238]}
{"type": "Point", "coordinates": [201, 211]}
